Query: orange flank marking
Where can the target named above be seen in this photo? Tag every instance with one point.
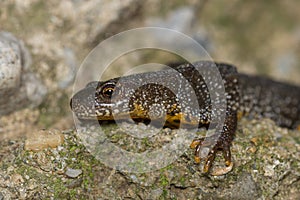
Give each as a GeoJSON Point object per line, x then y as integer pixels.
{"type": "Point", "coordinates": [138, 112]}
{"type": "Point", "coordinates": [105, 118]}
{"type": "Point", "coordinates": [180, 119]}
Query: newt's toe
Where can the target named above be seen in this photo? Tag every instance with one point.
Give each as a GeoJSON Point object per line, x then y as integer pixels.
{"type": "Point", "coordinates": [195, 143]}
{"type": "Point", "coordinates": [228, 163]}
{"type": "Point", "coordinates": [222, 171]}
{"type": "Point", "coordinates": [197, 159]}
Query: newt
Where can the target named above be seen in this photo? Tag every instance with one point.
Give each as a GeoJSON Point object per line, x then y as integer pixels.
{"type": "Point", "coordinates": [167, 96]}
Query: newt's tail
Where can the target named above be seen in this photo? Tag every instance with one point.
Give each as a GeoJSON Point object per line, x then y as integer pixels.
{"type": "Point", "coordinates": [263, 97]}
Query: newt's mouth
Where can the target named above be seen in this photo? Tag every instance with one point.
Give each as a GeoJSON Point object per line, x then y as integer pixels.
{"type": "Point", "coordinates": [85, 107]}
{"type": "Point", "coordinates": [82, 103]}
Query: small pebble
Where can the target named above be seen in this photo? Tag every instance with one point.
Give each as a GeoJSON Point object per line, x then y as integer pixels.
{"type": "Point", "coordinates": [73, 173]}
{"type": "Point", "coordinates": [43, 139]}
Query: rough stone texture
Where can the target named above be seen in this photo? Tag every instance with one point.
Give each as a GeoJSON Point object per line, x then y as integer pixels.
{"type": "Point", "coordinates": [43, 139]}
{"type": "Point", "coordinates": [10, 62]}
{"type": "Point", "coordinates": [73, 173]}
{"type": "Point", "coordinates": [19, 87]}
{"type": "Point", "coordinates": [266, 167]}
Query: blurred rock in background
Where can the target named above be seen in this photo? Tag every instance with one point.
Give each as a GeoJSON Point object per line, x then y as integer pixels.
{"type": "Point", "coordinates": [19, 86]}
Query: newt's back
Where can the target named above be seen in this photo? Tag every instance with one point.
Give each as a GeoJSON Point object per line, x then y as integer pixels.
{"type": "Point", "coordinates": [193, 94]}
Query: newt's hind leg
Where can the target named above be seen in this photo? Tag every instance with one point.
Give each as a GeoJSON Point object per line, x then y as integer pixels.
{"type": "Point", "coordinates": [221, 143]}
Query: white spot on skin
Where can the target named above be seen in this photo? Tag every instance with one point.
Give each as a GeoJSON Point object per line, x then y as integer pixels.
{"type": "Point", "coordinates": [116, 111]}
{"type": "Point", "coordinates": [98, 113]}
{"type": "Point", "coordinates": [107, 113]}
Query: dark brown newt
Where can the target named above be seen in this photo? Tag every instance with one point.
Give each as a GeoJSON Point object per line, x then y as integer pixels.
{"type": "Point", "coordinates": [191, 95]}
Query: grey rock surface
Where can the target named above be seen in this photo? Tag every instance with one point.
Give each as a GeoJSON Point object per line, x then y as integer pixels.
{"type": "Point", "coordinates": [18, 86]}
{"type": "Point", "coordinates": [73, 173]}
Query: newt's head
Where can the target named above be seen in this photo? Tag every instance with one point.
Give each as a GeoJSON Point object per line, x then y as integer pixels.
{"type": "Point", "coordinates": [124, 98]}
{"type": "Point", "coordinates": [114, 99]}
{"type": "Point", "coordinates": [96, 101]}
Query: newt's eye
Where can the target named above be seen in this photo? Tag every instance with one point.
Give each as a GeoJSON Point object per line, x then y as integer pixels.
{"type": "Point", "coordinates": [108, 91]}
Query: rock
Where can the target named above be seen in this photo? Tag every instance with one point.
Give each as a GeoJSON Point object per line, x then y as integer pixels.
{"type": "Point", "coordinates": [182, 19]}
{"type": "Point", "coordinates": [10, 63]}
{"type": "Point", "coordinates": [179, 19]}
{"type": "Point", "coordinates": [93, 19]}
{"type": "Point", "coordinates": [43, 139]}
{"type": "Point", "coordinates": [245, 188]}
{"type": "Point", "coordinates": [18, 86]}
{"type": "Point", "coordinates": [73, 173]}
{"type": "Point", "coordinates": [5, 194]}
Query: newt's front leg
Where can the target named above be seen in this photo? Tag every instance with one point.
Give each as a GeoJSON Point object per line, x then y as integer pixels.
{"type": "Point", "coordinates": [222, 143]}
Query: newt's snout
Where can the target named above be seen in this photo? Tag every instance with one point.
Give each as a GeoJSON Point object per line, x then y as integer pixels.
{"type": "Point", "coordinates": [83, 103]}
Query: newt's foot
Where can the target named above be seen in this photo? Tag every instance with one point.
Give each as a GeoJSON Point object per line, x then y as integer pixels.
{"type": "Point", "coordinates": [199, 144]}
